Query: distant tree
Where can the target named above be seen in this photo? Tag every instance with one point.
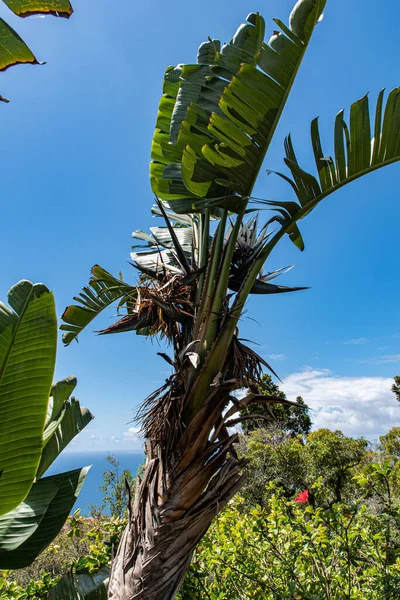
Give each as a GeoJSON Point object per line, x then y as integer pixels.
{"type": "Point", "coordinates": [396, 387]}
{"type": "Point", "coordinates": [389, 444]}
{"type": "Point", "coordinates": [274, 456]}
{"type": "Point", "coordinates": [383, 469]}
{"type": "Point", "coordinates": [294, 464]}
{"type": "Point", "coordinates": [114, 487]}
{"type": "Point", "coordinates": [333, 456]}
{"type": "Point", "coordinates": [286, 417]}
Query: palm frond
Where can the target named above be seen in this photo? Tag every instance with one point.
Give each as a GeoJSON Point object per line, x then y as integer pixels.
{"type": "Point", "coordinates": [180, 253]}
{"type": "Point", "coordinates": [132, 322]}
{"type": "Point", "coordinates": [161, 308]}
{"type": "Point", "coordinates": [217, 117]}
{"type": "Point", "coordinates": [261, 287]}
{"type": "Point", "coordinates": [249, 246]}
{"type": "Point", "coordinates": [168, 249]}
{"type": "Point", "coordinates": [179, 219]}
{"type": "Point", "coordinates": [101, 292]}
{"type": "Point", "coordinates": [245, 364]}
{"type": "Point", "coordinates": [355, 154]}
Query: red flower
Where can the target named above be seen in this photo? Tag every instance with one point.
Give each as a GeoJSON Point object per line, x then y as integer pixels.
{"type": "Point", "coordinates": [302, 497]}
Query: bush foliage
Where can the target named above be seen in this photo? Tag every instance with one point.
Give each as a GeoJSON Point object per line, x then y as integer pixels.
{"type": "Point", "coordinates": [319, 518]}
{"type": "Point", "coordinates": [291, 550]}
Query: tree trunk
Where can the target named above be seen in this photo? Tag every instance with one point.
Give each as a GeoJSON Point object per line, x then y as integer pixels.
{"type": "Point", "coordinates": [171, 513]}
{"type": "Point", "coordinates": [192, 471]}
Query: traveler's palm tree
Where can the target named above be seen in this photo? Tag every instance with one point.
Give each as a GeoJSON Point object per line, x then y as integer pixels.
{"type": "Point", "coordinates": [215, 123]}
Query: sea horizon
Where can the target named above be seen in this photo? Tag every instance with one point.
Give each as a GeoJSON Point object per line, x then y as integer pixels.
{"type": "Point", "coordinates": [96, 459]}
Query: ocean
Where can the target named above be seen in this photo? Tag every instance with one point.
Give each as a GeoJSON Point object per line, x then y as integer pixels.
{"type": "Point", "coordinates": [90, 493]}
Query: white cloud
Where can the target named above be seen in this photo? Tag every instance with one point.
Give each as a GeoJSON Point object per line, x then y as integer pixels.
{"type": "Point", "coordinates": [359, 406]}
{"type": "Point", "coordinates": [357, 341]}
{"type": "Point", "coordinates": [92, 439]}
{"type": "Point", "coordinates": [133, 433]}
{"type": "Point", "coordinates": [276, 356]}
{"type": "Point", "coordinates": [98, 440]}
{"type": "Point", "coordinates": [382, 360]}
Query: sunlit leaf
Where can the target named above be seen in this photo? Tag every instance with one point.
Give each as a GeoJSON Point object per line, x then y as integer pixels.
{"type": "Point", "coordinates": [42, 514]}
{"type": "Point", "coordinates": [13, 50]}
{"type": "Point", "coordinates": [25, 8]}
{"type": "Point", "coordinates": [28, 338]}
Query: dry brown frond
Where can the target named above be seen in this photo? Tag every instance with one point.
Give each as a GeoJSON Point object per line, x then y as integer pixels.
{"type": "Point", "coordinates": [160, 414]}
{"type": "Point", "coordinates": [161, 307]}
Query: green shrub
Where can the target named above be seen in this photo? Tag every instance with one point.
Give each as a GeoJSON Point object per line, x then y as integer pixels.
{"type": "Point", "coordinates": [83, 546]}
{"type": "Point", "coordinates": [289, 550]}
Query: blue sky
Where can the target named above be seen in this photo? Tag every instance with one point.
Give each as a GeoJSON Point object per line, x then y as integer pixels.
{"type": "Point", "coordinates": [75, 149]}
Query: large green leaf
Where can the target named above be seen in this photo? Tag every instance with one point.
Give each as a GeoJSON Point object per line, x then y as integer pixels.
{"type": "Point", "coordinates": [28, 338]}
{"type": "Point", "coordinates": [169, 248]}
{"type": "Point", "coordinates": [60, 392]}
{"type": "Point", "coordinates": [19, 524]}
{"type": "Point", "coordinates": [67, 419]}
{"type": "Point", "coordinates": [217, 117]}
{"type": "Point", "coordinates": [42, 515]}
{"type": "Point", "coordinates": [82, 587]}
{"type": "Point", "coordinates": [355, 154]}
{"type": "Point", "coordinates": [25, 8]}
{"type": "Point", "coordinates": [102, 291]}
{"type": "Point", "coordinates": [13, 50]}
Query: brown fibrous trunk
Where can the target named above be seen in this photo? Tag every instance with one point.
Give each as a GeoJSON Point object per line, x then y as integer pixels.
{"type": "Point", "coordinates": [191, 472]}
{"type": "Point", "coordinates": [169, 517]}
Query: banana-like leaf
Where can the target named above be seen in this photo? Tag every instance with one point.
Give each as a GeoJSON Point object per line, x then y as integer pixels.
{"type": "Point", "coordinates": [169, 249]}
{"type": "Point", "coordinates": [162, 237]}
{"type": "Point", "coordinates": [13, 50]}
{"type": "Point", "coordinates": [29, 514]}
{"type": "Point", "coordinates": [28, 338]}
{"type": "Point", "coordinates": [41, 515]}
{"type": "Point", "coordinates": [26, 8]}
{"type": "Point", "coordinates": [261, 287]}
{"type": "Point", "coordinates": [356, 154]}
{"type": "Point", "coordinates": [186, 220]}
{"type": "Point", "coordinates": [156, 261]}
{"type": "Point", "coordinates": [102, 291]}
{"type": "Point", "coordinates": [131, 323]}
{"type": "Point", "coordinates": [82, 587]}
{"type": "Point", "coordinates": [67, 419]}
{"type": "Point", "coordinates": [217, 117]}
{"type": "Point", "coordinates": [179, 251]}
{"type": "Point", "coordinates": [60, 392]}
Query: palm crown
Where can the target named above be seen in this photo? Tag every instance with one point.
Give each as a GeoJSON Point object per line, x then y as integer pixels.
{"type": "Point", "coordinates": [214, 125]}
{"type": "Point", "coordinates": [215, 121]}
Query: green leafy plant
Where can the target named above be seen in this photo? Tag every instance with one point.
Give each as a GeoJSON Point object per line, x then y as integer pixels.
{"type": "Point", "coordinates": [215, 123]}
{"type": "Point", "coordinates": [35, 590]}
{"type": "Point", "coordinates": [294, 463]}
{"type": "Point", "coordinates": [38, 421]}
{"type": "Point", "coordinates": [115, 488]}
{"type": "Point", "coordinates": [290, 550]}
{"type": "Point", "coordinates": [82, 550]}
